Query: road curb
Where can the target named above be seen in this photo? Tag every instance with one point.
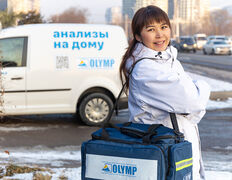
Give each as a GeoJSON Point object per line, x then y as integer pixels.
{"type": "Point", "coordinates": [220, 95]}
{"type": "Point", "coordinates": [205, 64]}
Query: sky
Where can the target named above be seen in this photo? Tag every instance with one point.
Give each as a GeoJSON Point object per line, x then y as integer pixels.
{"type": "Point", "coordinates": [96, 8]}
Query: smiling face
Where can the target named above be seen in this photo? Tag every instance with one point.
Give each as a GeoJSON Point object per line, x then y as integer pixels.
{"type": "Point", "coordinates": [155, 36]}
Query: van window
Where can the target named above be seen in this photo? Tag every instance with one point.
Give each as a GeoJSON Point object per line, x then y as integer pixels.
{"type": "Point", "coordinates": [13, 52]}
{"type": "Point", "coordinates": [201, 38]}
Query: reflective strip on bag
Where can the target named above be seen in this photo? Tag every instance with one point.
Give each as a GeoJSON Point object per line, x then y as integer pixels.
{"type": "Point", "coordinates": [184, 164]}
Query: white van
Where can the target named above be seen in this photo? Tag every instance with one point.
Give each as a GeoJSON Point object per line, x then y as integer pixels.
{"type": "Point", "coordinates": [200, 40]}
{"type": "Point", "coordinates": [61, 68]}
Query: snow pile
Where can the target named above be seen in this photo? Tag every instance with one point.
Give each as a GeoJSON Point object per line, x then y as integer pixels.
{"type": "Point", "coordinates": [70, 156]}
{"type": "Point", "coordinates": [216, 85]}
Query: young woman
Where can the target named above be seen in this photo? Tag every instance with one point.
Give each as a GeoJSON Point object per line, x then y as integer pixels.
{"type": "Point", "coordinates": [159, 85]}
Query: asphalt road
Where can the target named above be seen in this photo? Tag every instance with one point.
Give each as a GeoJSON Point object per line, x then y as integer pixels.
{"type": "Point", "coordinates": [223, 62]}
{"type": "Point", "coordinates": [63, 130]}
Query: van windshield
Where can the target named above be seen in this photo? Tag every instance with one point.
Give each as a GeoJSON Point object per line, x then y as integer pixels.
{"type": "Point", "coordinates": [187, 40]}
{"type": "Point", "coordinates": [201, 38]}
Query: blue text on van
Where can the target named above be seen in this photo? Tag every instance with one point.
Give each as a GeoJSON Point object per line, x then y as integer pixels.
{"type": "Point", "coordinates": [79, 45]}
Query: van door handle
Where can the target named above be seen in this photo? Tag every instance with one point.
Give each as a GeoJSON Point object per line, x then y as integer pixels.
{"type": "Point", "coordinates": [16, 78]}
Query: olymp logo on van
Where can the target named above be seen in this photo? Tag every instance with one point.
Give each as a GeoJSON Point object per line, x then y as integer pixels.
{"type": "Point", "coordinates": [96, 63]}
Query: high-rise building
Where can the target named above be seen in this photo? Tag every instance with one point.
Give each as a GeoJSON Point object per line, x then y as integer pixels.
{"type": "Point", "coordinates": [188, 12]}
{"type": "Point", "coordinates": [18, 6]}
{"type": "Point", "coordinates": [113, 15]}
{"type": "Point", "coordinates": [163, 4]}
{"type": "Point", "coordinates": [192, 10]}
{"type": "Point", "coordinates": [3, 5]}
{"type": "Point", "coordinates": [129, 7]}
{"type": "Point", "coordinates": [171, 9]}
{"type": "Point", "coordinates": [183, 13]}
{"type": "Point", "coordinates": [204, 6]}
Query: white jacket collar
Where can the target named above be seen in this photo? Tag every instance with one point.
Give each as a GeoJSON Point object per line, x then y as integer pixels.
{"type": "Point", "coordinates": [142, 51]}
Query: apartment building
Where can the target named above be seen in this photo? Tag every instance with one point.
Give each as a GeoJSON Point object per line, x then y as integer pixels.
{"type": "Point", "coordinates": [113, 15]}
{"type": "Point", "coordinates": [18, 6]}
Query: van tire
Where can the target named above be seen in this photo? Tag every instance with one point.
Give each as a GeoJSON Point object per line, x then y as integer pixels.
{"type": "Point", "coordinates": [95, 109]}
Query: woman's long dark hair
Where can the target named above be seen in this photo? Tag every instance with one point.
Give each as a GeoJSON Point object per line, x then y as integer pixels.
{"type": "Point", "coordinates": [143, 17]}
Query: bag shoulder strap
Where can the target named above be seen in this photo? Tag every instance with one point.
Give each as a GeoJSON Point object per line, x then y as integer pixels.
{"type": "Point", "coordinates": [172, 115]}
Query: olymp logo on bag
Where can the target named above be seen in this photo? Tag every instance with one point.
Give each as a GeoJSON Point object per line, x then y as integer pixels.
{"type": "Point", "coordinates": [120, 169]}
{"type": "Point", "coordinates": [116, 167]}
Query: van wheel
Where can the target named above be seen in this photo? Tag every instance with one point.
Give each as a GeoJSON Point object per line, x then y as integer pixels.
{"type": "Point", "coordinates": [95, 109]}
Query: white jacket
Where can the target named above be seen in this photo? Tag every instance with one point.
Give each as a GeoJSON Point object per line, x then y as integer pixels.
{"type": "Point", "coordinates": [159, 86]}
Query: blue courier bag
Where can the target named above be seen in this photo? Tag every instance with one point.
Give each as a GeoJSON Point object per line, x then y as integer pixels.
{"type": "Point", "coordinates": [137, 151]}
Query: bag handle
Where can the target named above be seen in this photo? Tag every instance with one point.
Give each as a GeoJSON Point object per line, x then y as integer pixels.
{"type": "Point", "coordinates": [115, 107]}
{"type": "Point", "coordinates": [126, 129]}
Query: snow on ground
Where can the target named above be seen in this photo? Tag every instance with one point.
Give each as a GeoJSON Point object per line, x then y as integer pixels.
{"type": "Point", "coordinates": [10, 129]}
{"type": "Point", "coordinates": [75, 174]}
{"type": "Point", "coordinates": [70, 157]}
{"type": "Point", "coordinates": [219, 104]}
{"type": "Point", "coordinates": [214, 169]}
{"type": "Point", "coordinates": [216, 85]}
{"type": "Point", "coordinates": [41, 155]}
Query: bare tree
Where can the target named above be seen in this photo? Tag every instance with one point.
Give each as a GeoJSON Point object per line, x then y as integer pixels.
{"type": "Point", "coordinates": [217, 23]}
{"type": "Point", "coordinates": [221, 20]}
{"type": "Point", "coordinates": [31, 17]}
{"type": "Point", "coordinates": [71, 15]}
{"type": "Point", "coordinates": [8, 19]}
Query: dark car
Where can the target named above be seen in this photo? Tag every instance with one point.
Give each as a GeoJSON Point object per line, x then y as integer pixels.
{"type": "Point", "coordinates": [187, 43]}
{"type": "Point", "coordinates": [175, 44]}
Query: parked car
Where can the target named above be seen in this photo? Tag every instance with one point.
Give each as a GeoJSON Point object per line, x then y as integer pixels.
{"type": "Point", "coordinates": [175, 44]}
{"type": "Point", "coordinates": [187, 43]}
{"type": "Point", "coordinates": [217, 47]}
{"type": "Point", "coordinates": [61, 68]}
